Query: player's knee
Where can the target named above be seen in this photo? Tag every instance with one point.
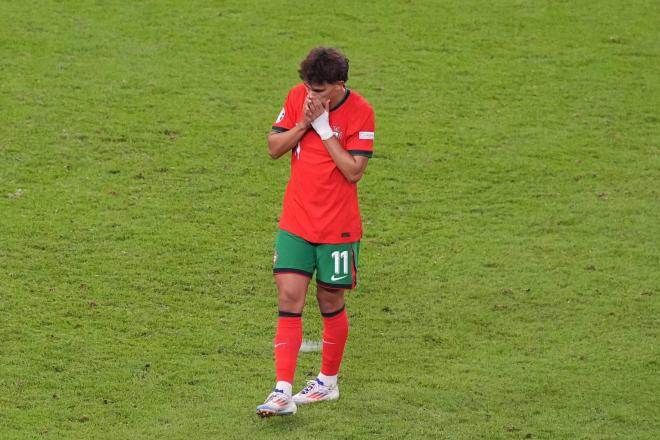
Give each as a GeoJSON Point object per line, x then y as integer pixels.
{"type": "Point", "coordinates": [291, 298]}
{"type": "Point", "coordinates": [330, 300]}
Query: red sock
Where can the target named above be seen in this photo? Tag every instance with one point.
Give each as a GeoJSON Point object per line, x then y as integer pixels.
{"type": "Point", "coordinates": [287, 344]}
{"type": "Point", "coordinates": [335, 333]}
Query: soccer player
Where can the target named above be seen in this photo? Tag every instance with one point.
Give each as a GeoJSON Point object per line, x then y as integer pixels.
{"type": "Point", "coordinates": [330, 131]}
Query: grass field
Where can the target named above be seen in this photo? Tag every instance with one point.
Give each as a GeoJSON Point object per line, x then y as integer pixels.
{"type": "Point", "coordinates": [510, 268]}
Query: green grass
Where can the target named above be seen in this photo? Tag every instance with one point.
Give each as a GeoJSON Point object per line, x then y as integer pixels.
{"type": "Point", "coordinates": [510, 266]}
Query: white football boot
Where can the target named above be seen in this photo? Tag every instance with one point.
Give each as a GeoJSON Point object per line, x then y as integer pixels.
{"type": "Point", "coordinates": [277, 404]}
{"type": "Point", "coordinates": [316, 391]}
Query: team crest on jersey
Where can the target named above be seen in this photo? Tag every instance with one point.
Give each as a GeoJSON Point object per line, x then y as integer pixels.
{"type": "Point", "coordinates": [280, 116]}
{"type": "Point", "coordinates": [337, 132]}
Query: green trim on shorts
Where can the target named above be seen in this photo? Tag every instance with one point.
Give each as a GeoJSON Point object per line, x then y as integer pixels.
{"type": "Point", "coordinates": [335, 265]}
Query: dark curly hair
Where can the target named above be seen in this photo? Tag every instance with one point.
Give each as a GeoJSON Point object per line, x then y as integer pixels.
{"type": "Point", "coordinates": [324, 65]}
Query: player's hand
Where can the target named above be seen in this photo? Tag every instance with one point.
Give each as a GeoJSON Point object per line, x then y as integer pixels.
{"type": "Point", "coordinates": [321, 122]}
{"type": "Point", "coordinates": [316, 106]}
{"type": "Point", "coordinates": [308, 114]}
{"type": "Point", "coordinates": [306, 120]}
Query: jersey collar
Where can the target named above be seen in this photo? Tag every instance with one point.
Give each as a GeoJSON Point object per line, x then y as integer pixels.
{"type": "Point", "coordinates": [343, 100]}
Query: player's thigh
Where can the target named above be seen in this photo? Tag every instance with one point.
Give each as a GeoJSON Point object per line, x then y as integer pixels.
{"type": "Point", "coordinates": [293, 267]}
{"type": "Point", "coordinates": [337, 265]}
{"type": "Point", "coordinates": [291, 291]}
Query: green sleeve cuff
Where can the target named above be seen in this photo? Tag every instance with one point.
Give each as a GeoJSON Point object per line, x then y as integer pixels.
{"type": "Point", "coordinates": [365, 153]}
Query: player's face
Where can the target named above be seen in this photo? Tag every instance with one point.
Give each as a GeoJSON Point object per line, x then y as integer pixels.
{"type": "Point", "coordinates": [324, 91]}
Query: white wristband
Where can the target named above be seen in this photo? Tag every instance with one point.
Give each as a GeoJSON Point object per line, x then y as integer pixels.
{"type": "Point", "coordinates": [325, 134]}
{"type": "Point", "coordinates": [322, 126]}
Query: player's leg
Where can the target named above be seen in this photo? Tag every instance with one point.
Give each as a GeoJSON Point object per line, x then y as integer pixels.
{"type": "Point", "coordinates": [292, 289]}
{"type": "Point", "coordinates": [291, 292]}
{"type": "Point", "coordinates": [336, 271]}
{"type": "Point", "coordinates": [293, 267]}
{"type": "Point", "coordinates": [335, 274]}
{"type": "Point", "coordinates": [335, 332]}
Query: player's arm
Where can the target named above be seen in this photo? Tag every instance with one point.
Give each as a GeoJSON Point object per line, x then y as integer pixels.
{"type": "Point", "coordinates": [281, 142]}
{"type": "Point", "coordinates": [290, 126]}
{"type": "Point", "coordinates": [352, 167]}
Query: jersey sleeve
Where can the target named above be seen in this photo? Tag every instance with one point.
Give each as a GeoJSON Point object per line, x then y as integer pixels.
{"type": "Point", "coordinates": [288, 116]}
{"type": "Point", "coordinates": [360, 141]}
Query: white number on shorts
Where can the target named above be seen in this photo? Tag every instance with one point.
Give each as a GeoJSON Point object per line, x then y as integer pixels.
{"type": "Point", "coordinates": [340, 256]}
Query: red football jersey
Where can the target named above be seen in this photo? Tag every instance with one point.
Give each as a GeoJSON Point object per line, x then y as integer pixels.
{"type": "Point", "coordinates": [320, 204]}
